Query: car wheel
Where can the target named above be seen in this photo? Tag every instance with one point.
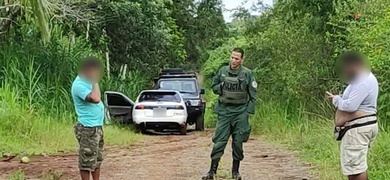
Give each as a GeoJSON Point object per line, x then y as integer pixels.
{"type": "Point", "coordinates": [183, 129]}
{"type": "Point", "coordinates": [140, 129]}
{"type": "Point", "coordinates": [199, 126]}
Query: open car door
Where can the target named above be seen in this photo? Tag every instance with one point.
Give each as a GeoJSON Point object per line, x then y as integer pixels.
{"type": "Point", "coordinates": [119, 107]}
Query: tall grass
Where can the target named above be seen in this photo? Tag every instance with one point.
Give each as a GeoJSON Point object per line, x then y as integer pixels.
{"type": "Point", "coordinates": [37, 113]}
{"type": "Point", "coordinates": [33, 128]}
{"type": "Point", "coordinates": [23, 130]}
{"type": "Point", "coordinates": [130, 83]}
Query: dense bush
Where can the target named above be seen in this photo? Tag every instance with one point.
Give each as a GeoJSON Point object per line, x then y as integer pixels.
{"type": "Point", "coordinates": [292, 49]}
{"type": "Point", "coordinates": [41, 46]}
{"type": "Point", "coordinates": [367, 31]}
{"type": "Point", "coordinates": [294, 59]}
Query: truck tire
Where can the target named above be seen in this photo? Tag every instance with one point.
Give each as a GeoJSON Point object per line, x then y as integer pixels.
{"type": "Point", "coordinates": [199, 125]}
{"type": "Point", "coordinates": [183, 129]}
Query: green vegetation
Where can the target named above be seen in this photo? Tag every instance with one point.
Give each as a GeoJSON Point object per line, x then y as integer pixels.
{"type": "Point", "coordinates": [292, 48]}
{"type": "Point", "coordinates": [313, 138]}
{"type": "Point", "coordinates": [42, 42]}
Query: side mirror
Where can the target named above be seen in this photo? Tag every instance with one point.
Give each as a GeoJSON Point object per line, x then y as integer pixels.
{"type": "Point", "coordinates": [188, 103]}
{"type": "Point", "coordinates": [202, 91]}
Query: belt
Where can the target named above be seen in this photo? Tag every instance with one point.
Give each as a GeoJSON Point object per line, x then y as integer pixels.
{"type": "Point", "coordinates": [79, 124]}
{"type": "Point", "coordinates": [339, 132]}
{"type": "Point", "coordinates": [361, 120]}
{"type": "Point", "coordinates": [232, 104]}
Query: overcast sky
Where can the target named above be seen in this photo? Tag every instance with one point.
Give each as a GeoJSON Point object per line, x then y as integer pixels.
{"type": "Point", "coordinates": [229, 4]}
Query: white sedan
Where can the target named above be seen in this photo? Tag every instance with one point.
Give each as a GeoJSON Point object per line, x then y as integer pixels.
{"type": "Point", "coordinates": [153, 109]}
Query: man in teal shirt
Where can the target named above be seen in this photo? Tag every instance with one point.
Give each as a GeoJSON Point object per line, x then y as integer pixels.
{"type": "Point", "coordinates": [90, 116]}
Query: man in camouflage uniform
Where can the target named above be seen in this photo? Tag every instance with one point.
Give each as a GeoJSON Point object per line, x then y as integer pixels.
{"type": "Point", "coordinates": [90, 111]}
{"type": "Point", "coordinates": [237, 90]}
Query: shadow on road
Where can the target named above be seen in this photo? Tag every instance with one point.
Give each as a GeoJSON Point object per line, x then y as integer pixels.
{"type": "Point", "coordinates": [166, 133]}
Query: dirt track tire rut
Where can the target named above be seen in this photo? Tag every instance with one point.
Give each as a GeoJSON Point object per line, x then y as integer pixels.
{"type": "Point", "coordinates": [173, 157]}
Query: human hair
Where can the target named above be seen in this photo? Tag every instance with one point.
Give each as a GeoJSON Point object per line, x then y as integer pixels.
{"type": "Point", "coordinates": [90, 62]}
{"type": "Point", "coordinates": [352, 58]}
{"type": "Point", "coordinates": [240, 50]}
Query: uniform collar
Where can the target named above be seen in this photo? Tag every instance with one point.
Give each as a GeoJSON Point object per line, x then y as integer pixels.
{"type": "Point", "coordinates": [235, 71]}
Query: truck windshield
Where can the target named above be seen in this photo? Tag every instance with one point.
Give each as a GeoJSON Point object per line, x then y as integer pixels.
{"type": "Point", "coordinates": [159, 97]}
{"type": "Point", "coordinates": [183, 86]}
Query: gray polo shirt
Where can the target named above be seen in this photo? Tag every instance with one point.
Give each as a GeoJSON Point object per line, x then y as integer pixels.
{"type": "Point", "coordinates": [360, 95]}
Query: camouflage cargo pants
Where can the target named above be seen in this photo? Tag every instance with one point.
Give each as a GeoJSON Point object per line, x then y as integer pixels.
{"type": "Point", "coordinates": [91, 144]}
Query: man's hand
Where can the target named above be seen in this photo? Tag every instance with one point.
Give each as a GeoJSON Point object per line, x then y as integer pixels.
{"type": "Point", "coordinates": [95, 95]}
{"type": "Point", "coordinates": [330, 95]}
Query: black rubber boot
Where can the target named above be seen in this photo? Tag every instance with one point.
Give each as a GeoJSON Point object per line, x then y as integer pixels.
{"type": "Point", "coordinates": [212, 172]}
{"type": "Point", "coordinates": [235, 170]}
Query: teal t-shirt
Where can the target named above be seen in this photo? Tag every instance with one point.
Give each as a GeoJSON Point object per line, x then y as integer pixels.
{"type": "Point", "coordinates": [88, 114]}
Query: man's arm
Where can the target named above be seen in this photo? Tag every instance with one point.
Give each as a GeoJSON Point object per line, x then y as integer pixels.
{"type": "Point", "coordinates": [252, 91]}
{"type": "Point", "coordinates": [356, 96]}
{"type": "Point", "coordinates": [95, 95]}
{"type": "Point", "coordinates": [216, 85]}
{"type": "Point", "coordinates": [86, 94]}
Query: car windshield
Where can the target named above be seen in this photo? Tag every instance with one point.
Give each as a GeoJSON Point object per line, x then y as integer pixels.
{"type": "Point", "coordinates": [159, 97]}
{"type": "Point", "coordinates": [183, 86]}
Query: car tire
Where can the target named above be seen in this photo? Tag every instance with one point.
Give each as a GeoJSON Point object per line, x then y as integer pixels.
{"type": "Point", "coordinates": [140, 129]}
{"type": "Point", "coordinates": [199, 125]}
{"type": "Point", "coordinates": [183, 129]}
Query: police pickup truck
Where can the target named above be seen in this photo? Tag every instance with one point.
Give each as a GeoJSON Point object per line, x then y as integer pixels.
{"type": "Point", "coordinates": [187, 84]}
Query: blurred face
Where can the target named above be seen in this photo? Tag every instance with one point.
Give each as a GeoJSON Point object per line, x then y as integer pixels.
{"type": "Point", "coordinates": [93, 73]}
{"type": "Point", "coordinates": [235, 60]}
{"type": "Point", "coordinates": [350, 71]}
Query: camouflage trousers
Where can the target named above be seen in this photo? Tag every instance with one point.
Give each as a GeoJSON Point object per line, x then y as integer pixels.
{"type": "Point", "coordinates": [91, 142]}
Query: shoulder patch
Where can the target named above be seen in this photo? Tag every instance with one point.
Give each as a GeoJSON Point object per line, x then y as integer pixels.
{"type": "Point", "coordinates": [254, 84]}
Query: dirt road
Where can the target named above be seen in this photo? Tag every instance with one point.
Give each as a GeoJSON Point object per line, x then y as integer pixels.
{"type": "Point", "coordinates": [170, 157]}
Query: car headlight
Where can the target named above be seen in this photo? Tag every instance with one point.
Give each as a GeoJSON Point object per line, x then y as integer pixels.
{"type": "Point", "coordinates": [195, 102]}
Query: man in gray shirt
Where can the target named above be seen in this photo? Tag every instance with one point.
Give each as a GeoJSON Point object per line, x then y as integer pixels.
{"type": "Point", "coordinates": [355, 121]}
